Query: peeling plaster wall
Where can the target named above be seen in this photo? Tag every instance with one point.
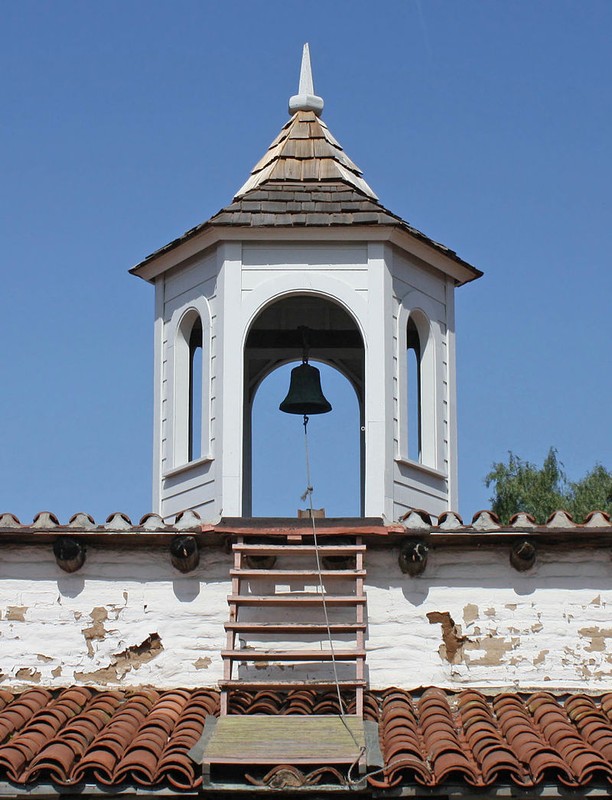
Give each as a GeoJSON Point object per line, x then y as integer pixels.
{"type": "Point", "coordinates": [471, 619]}
{"type": "Point", "coordinates": [128, 618]}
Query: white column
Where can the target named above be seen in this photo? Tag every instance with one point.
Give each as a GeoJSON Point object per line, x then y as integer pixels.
{"type": "Point", "coordinates": [230, 372]}
{"type": "Point", "coordinates": [158, 358]}
{"type": "Point", "coordinates": [453, 482]}
{"type": "Point", "coordinates": [379, 386]}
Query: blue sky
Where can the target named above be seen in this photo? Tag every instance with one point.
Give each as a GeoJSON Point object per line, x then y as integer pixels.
{"type": "Point", "coordinates": [485, 125]}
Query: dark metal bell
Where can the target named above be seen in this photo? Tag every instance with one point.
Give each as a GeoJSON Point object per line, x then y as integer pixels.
{"type": "Point", "coordinates": [305, 395]}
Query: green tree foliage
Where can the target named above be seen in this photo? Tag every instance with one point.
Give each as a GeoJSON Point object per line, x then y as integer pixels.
{"type": "Point", "coordinates": [522, 486]}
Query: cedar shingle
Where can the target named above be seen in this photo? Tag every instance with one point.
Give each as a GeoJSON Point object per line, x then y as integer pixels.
{"type": "Point", "coordinates": [264, 219]}
{"type": "Point", "coordinates": [274, 207]}
{"type": "Point", "coordinates": [317, 219]}
{"type": "Point", "coordinates": [327, 206]}
{"type": "Point", "coordinates": [338, 219]}
{"type": "Point", "coordinates": [289, 168]}
{"type": "Point", "coordinates": [322, 149]}
{"type": "Point", "coordinates": [284, 219]}
{"type": "Point", "coordinates": [369, 217]}
{"type": "Point", "coordinates": [243, 219]}
{"type": "Point", "coordinates": [310, 170]}
{"type": "Point", "coordinates": [281, 194]}
{"type": "Point", "coordinates": [305, 137]}
{"type": "Point", "coordinates": [259, 194]}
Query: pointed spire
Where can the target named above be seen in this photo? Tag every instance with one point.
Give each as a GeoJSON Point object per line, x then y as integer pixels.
{"type": "Point", "coordinates": [306, 99]}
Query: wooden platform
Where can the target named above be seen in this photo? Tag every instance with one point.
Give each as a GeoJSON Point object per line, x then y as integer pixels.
{"type": "Point", "coordinates": [267, 740]}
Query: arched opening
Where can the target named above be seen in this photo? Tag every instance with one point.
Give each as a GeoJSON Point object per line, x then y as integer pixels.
{"type": "Point", "coordinates": [278, 449]}
{"type": "Point", "coordinates": [188, 389]}
{"type": "Point", "coordinates": [274, 458]}
{"type": "Point", "coordinates": [413, 356]}
{"type": "Point", "coordinates": [195, 391]}
{"type": "Point", "coordinates": [421, 390]}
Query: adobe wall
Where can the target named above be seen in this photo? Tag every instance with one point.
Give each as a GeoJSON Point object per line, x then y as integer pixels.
{"type": "Point", "coordinates": [128, 618]}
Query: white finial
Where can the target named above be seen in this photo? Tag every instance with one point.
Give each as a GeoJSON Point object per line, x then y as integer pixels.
{"type": "Point", "coordinates": [306, 99]}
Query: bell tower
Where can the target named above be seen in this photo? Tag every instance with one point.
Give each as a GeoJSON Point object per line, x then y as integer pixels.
{"type": "Point", "coordinates": [304, 244]}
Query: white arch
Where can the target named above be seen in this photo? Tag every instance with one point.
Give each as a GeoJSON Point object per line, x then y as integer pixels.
{"type": "Point", "coordinates": [275, 290]}
{"type": "Point", "coordinates": [304, 283]}
{"type": "Point", "coordinates": [179, 329]}
{"type": "Point", "coordinates": [423, 312]}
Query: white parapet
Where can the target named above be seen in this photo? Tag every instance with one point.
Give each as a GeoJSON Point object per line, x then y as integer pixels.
{"type": "Point", "coordinates": [128, 618]}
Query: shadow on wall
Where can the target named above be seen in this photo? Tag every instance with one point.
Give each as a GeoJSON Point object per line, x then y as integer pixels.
{"type": "Point", "coordinates": [483, 570]}
{"type": "Point", "coordinates": [186, 589]}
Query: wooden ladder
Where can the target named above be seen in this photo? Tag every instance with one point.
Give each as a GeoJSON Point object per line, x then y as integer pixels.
{"type": "Point", "coordinates": [264, 614]}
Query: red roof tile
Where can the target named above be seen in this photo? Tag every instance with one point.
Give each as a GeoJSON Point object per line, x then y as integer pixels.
{"type": "Point", "coordinates": [429, 737]}
{"type": "Point", "coordinates": [594, 531]}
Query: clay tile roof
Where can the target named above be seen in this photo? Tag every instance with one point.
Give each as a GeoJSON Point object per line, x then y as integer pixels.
{"type": "Point", "coordinates": [430, 737]}
{"type": "Point", "coordinates": [46, 526]}
{"type": "Point", "coordinates": [107, 738]}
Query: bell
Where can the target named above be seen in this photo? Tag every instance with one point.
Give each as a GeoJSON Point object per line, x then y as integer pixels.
{"type": "Point", "coordinates": [305, 395]}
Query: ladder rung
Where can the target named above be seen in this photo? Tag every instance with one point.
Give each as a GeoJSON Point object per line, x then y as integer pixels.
{"type": "Point", "coordinates": [298, 549]}
{"type": "Point", "coordinates": [305, 684]}
{"type": "Point", "coordinates": [293, 655]}
{"type": "Point", "coordinates": [296, 599]}
{"type": "Point", "coordinates": [294, 627]}
{"type": "Point", "coordinates": [297, 573]}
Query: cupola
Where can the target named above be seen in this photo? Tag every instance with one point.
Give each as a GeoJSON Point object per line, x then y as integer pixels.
{"type": "Point", "coordinates": [305, 244]}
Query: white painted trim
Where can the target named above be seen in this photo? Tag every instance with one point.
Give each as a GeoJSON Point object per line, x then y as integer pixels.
{"type": "Point", "coordinates": [279, 287]}
{"type": "Point", "coordinates": [213, 235]}
{"type": "Point", "coordinates": [421, 467]}
{"type": "Point", "coordinates": [186, 467]}
{"type": "Point", "coordinates": [300, 282]}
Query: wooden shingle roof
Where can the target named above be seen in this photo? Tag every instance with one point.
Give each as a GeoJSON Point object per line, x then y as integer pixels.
{"type": "Point", "coordinates": [284, 203]}
{"type": "Point", "coordinates": [305, 179]}
{"type": "Point", "coordinates": [306, 151]}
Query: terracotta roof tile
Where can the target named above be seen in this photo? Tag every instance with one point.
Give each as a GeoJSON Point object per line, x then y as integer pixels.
{"type": "Point", "coordinates": [596, 524]}
{"type": "Point", "coordinates": [429, 737]}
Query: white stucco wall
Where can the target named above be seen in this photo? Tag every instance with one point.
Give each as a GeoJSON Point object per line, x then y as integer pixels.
{"type": "Point", "coordinates": [128, 618]}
